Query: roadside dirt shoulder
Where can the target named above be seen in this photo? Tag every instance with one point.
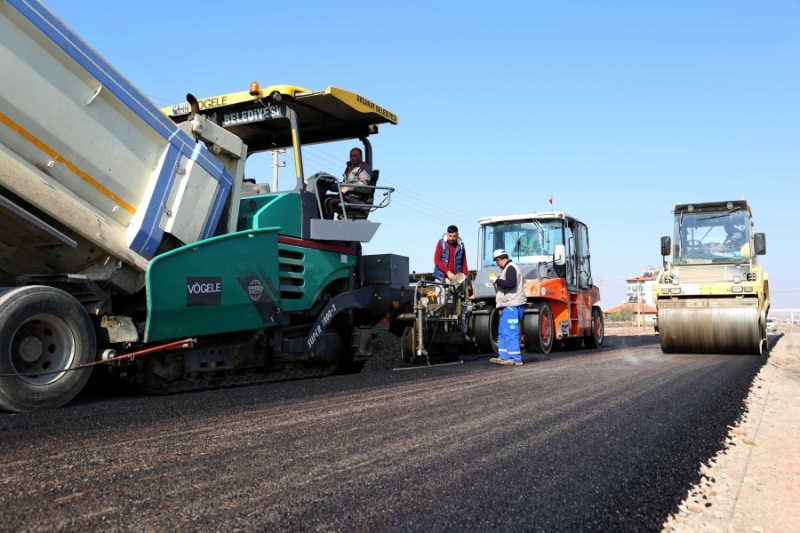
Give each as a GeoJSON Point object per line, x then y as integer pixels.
{"type": "Point", "coordinates": [629, 330]}
{"type": "Point", "coordinates": [754, 484]}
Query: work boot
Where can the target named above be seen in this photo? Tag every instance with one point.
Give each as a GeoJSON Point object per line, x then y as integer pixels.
{"type": "Point", "coordinates": [509, 362]}
{"type": "Point", "coordinates": [495, 360]}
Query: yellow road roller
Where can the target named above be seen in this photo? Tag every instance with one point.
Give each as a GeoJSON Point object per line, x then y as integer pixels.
{"type": "Point", "coordinates": [712, 295]}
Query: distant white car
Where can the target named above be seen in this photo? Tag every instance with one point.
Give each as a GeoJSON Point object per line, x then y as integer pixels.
{"type": "Point", "coordinates": [772, 324]}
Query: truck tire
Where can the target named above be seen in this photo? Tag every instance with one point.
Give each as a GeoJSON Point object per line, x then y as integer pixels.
{"type": "Point", "coordinates": [487, 330]}
{"type": "Point", "coordinates": [539, 330]}
{"type": "Point", "coordinates": [42, 329]}
{"type": "Point", "coordinates": [597, 336]}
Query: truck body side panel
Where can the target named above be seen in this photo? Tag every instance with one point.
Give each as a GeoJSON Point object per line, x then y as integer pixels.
{"type": "Point", "coordinates": [71, 215]}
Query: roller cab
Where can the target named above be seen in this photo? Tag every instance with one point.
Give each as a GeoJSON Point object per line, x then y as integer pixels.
{"type": "Point", "coordinates": [562, 302]}
{"type": "Point", "coordinates": [712, 295]}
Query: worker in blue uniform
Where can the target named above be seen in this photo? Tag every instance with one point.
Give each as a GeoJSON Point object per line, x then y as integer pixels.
{"type": "Point", "coordinates": [510, 301]}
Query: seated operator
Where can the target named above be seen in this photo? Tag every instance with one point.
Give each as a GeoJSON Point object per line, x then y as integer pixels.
{"type": "Point", "coordinates": [528, 244]}
{"type": "Point", "coordinates": [357, 173]}
{"type": "Point", "coordinates": [735, 234]}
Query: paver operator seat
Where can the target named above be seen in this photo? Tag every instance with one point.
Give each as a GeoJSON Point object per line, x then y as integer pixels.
{"type": "Point", "coordinates": [361, 212]}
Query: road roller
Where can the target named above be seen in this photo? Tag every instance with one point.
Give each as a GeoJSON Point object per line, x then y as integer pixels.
{"type": "Point", "coordinates": [712, 295]}
{"type": "Point", "coordinates": [552, 250]}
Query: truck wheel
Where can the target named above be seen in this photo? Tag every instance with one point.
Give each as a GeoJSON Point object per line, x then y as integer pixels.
{"type": "Point", "coordinates": [486, 330]}
{"type": "Point", "coordinates": [595, 340]}
{"type": "Point", "coordinates": [539, 330]}
{"type": "Point", "coordinates": [42, 330]}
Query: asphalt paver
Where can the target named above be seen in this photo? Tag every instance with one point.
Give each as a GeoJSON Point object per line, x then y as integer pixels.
{"type": "Point", "coordinates": [588, 440]}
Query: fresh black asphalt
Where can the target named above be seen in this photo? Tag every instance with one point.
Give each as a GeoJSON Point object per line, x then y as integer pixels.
{"type": "Point", "coordinates": [588, 440]}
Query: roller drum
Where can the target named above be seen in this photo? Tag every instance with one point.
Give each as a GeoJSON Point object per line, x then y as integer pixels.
{"type": "Point", "coordinates": [710, 325]}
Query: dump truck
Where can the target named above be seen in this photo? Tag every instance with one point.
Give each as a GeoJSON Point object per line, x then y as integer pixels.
{"type": "Point", "coordinates": [130, 238]}
{"type": "Point", "coordinates": [552, 251]}
{"type": "Point", "coordinates": [712, 296]}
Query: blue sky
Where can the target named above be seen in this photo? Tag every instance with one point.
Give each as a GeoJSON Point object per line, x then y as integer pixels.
{"type": "Point", "coordinates": [619, 110]}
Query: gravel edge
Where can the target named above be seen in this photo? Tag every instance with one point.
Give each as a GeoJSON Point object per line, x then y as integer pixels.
{"type": "Point", "coordinates": [722, 502]}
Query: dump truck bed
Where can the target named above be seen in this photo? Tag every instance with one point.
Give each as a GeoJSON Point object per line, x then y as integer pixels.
{"type": "Point", "coordinates": [87, 162]}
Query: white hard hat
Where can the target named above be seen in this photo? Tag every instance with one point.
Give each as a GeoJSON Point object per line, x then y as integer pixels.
{"type": "Point", "coordinates": [499, 252]}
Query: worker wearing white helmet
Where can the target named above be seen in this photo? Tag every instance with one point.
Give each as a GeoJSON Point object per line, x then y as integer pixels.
{"type": "Point", "coordinates": [510, 300]}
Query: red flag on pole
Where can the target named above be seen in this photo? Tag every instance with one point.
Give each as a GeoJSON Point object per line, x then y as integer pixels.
{"type": "Point", "coordinates": [551, 199]}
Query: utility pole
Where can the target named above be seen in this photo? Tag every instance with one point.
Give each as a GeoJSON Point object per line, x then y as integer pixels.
{"type": "Point", "coordinates": [275, 166]}
{"type": "Point", "coordinates": [639, 305]}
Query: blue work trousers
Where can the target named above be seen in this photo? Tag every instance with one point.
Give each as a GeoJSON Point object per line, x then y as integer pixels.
{"type": "Point", "coordinates": [508, 342]}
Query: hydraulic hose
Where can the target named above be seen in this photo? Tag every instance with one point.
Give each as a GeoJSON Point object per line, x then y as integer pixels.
{"type": "Point", "coordinates": [177, 345]}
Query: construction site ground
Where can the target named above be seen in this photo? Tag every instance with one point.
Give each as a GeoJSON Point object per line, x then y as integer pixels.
{"type": "Point", "coordinates": [620, 439]}
{"type": "Point", "coordinates": [753, 485]}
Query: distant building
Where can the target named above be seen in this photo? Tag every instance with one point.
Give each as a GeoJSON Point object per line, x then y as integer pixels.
{"type": "Point", "coordinates": [642, 314]}
{"type": "Point", "coordinates": [640, 288]}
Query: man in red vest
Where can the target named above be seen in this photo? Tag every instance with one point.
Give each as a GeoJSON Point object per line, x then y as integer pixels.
{"type": "Point", "coordinates": [449, 259]}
